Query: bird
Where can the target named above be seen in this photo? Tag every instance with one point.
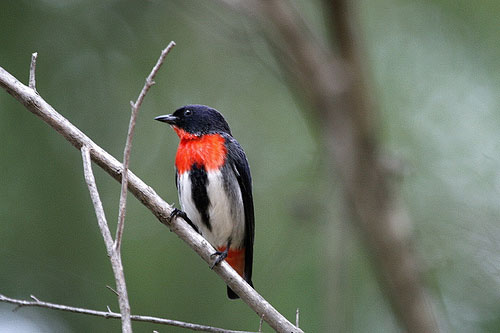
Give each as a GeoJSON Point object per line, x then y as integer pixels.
{"type": "Point", "coordinates": [214, 186]}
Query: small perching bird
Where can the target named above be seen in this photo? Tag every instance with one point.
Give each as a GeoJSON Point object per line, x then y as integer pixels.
{"type": "Point", "coordinates": [214, 185]}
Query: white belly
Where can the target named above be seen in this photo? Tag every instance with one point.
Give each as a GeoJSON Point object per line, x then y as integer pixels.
{"type": "Point", "coordinates": [225, 211]}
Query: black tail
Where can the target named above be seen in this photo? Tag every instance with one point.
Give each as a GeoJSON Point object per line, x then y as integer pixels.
{"type": "Point", "coordinates": [232, 295]}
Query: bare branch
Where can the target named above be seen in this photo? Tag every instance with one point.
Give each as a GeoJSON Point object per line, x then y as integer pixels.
{"type": "Point", "coordinates": [297, 318]}
{"type": "Point", "coordinates": [110, 314]}
{"type": "Point", "coordinates": [162, 210]}
{"type": "Point", "coordinates": [96, 200]}
{"type": "Point", "coordinates": [114, 255]}
{"type": "Point", "coordinates": [32, 81]}
{"type": "Point", "coordinates": [128, 144]}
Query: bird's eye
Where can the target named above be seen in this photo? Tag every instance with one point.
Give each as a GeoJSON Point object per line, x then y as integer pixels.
{"type": "Point", "coordinates": [188, 112]}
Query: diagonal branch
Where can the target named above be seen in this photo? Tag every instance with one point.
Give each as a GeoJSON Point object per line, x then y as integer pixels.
{"type": "Point", "coordinates": [128, 145]}
{"type": "Point", "coordinates": [114, 255]}
{"type": "Point", "coordinates": [108, 314]}
{"type": "Point", "coordinates": [96, 200]}
{"type": "Point", "coordinates": [162, 210]}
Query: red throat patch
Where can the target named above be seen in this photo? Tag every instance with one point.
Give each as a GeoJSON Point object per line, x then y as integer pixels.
{"type": "Point", "coordinates": [207, 150]}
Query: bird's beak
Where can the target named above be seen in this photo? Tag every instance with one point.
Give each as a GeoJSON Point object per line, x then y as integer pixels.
{"type": "Point", "coordinates": [168, 118]}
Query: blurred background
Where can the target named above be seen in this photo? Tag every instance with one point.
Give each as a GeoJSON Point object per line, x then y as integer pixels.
{"type": "Point", "coordinates": [433, 68]}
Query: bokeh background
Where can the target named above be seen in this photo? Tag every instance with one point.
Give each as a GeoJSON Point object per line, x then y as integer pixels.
{"type": "Point", "coordinates": [434, 71]}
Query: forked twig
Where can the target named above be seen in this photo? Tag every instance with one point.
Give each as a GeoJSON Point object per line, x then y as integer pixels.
{"type": "Point", "coordinates": [114, 255]}
{"type": "Point", "coordinates": [113, 315]}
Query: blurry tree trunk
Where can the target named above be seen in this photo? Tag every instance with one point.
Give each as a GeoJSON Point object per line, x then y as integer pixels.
{"type": "Point", "coordinates": [332, 83]}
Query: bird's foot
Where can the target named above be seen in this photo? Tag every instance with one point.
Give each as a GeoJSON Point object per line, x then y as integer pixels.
{"type": "Point", "coordinates": [179, 213]}
{"type": "Point", "coordinates": [221, 255]}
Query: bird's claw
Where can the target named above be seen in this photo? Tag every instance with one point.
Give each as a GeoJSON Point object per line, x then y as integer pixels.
{"type": "Point", "coordinates": [220, 256]}
{"type": "Point", "coordinates": [179, 213]}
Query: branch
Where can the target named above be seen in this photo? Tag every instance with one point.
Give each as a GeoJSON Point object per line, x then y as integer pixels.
{"type": "Point", "coordinates": [96, 201]}
{"type": "Point", "coordinates": [162, 210]}
{"type": "Point", "coordinates": [32, 81]}
{"type": "Point", "coordinates": [128, 144]}
{"type": "Point", "coordinates": [109, 314]}
{"type": "Point", "coordinates": [113, 253]}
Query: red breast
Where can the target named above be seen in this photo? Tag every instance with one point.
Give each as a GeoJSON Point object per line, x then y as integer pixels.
{"type": "Point", "coordinates": [208, 150]}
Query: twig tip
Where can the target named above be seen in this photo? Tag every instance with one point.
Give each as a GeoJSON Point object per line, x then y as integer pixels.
{"type": "Point", "coordinates": [32, 80]}
{"type": "Point", "coordinates": [260, 323]}
{"type": "Point", "coordinates": [114, 291]}
{"type": "Point", "coordinates": [34, 298]}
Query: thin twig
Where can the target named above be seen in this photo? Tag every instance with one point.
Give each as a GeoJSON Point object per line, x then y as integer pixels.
{"type": "Point", "coordinates": [96, 200]}
{"type": "Point", "coordinates": [128, 144]}
{"type": "Point", "coordinates": [32, 80]}
{"type": "Point", "coordinates": [297, 318]}
{"type": "Point", "coordinates": [260, 323]}
{"type": "Point", "coordinates": [161, 209]}
{"type": "Point", "coordinates": [109, 310]}
{"type": "Point", "coordinates": [111, 288]}
{"type": "Point", "coordinates": [110, 314]}
{"type": "Point", "coordinates": [114, 256]}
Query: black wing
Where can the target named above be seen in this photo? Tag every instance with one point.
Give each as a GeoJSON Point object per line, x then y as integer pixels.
{"type": "Point", "coordinates": [239, 163]}
{"type": "Point", "coordinates": [176, 179]}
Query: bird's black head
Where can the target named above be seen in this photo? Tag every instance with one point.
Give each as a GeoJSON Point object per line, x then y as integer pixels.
{"type": "Point", "coordinates": [197, 120]}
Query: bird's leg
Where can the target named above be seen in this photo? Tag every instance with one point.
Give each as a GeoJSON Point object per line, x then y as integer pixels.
{"type": "Point", "coordinates": [179, 213]}
{"type": "Point", "coordinates": [221, 255]}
